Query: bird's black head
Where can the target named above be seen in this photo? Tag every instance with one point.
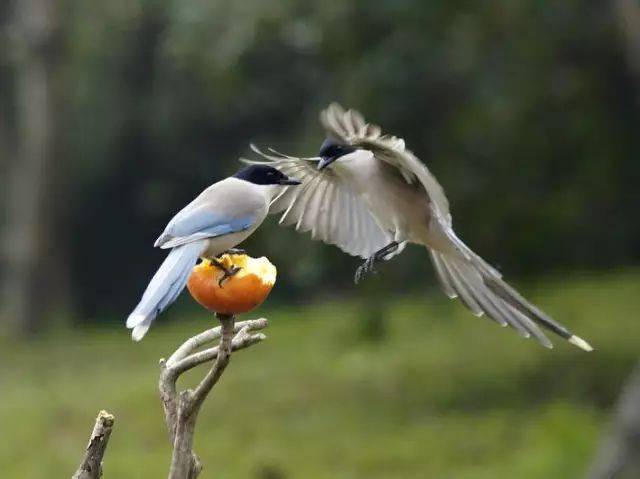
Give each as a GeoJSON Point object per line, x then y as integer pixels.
{"type": "Point", "coordinates": [264, 175]}
{"type": "Point", "coordinates": [331, 150]}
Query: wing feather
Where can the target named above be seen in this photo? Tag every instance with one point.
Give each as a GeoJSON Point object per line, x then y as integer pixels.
{"type": "Point", "coordinates": [348, 126]}
{"type": "Point", "coordinates": [325, 205]}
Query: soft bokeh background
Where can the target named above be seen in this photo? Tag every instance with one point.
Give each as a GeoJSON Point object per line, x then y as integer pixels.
{"type": "Point", "coordinates": [115, 114]}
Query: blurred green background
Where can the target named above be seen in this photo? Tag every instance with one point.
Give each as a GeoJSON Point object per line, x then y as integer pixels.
{"type": "Point", "coordinates": [113, 115]}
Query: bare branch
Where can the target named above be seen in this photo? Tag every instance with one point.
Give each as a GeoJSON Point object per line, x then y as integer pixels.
{"type": "Point", "coordinates": [242, 340]}
{"type": "Point", "coordinates": [181, 409]}
{"type": "Point", "coordinates": [179, 362]}
{"type": "Point", "coordinates": [210, 335]}
{"type": "Point", "coordinates": [91, 465]}
{"type": "Point", "coordinates": [171, 369]}
{"type": "Point", "coordinates": [220, 364]}
{"type": "Point", "coordinates": [169, 397]}
{"type": "Point", "coordinates": [185, 464]}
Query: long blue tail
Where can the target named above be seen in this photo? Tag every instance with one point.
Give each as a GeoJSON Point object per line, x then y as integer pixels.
{"type": "Point", "coordinates": [164, 287]}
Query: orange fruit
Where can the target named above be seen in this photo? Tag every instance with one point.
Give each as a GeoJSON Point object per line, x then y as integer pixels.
{"type": "Point", "coordinates": [240, 293]}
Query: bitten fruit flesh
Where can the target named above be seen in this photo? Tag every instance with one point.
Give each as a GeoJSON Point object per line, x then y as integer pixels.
{"type": "Point", "coordinates": [240, 293]}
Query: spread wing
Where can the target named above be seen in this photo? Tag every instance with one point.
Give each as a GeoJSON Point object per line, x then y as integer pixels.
{"type": "Point", "coordinates": [325, 206]}
{"type": "Point", "coordinates": [349, 127]}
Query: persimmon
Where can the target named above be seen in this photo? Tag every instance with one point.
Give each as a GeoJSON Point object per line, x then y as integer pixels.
{"type": "Point", "coordinates": [246, 289]}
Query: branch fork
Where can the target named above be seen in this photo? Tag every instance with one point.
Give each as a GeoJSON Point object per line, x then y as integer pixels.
{"type": "Point", "coordinates": [181, 408]}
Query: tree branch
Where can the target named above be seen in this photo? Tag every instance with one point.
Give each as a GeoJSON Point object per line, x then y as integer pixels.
{"type": "Point", "coordinates": [91, 465]}
{"type": "Point", "coordinates": [222, 360]}
{"type": "Point", "coordinates": [199, 340]}
{"type": "Point", "coordinates": [181, 409]}
{"type": "Point", "coordinates": [241, 341]}
{"type": "Point", "coordinates": [184, 359]}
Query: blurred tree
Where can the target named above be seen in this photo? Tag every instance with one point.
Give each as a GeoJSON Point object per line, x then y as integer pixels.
{"type": "Point", "coordinates": [6, 134]}
{"type": "Point", "coordinates": [501, 99]}
{"type": "Point", "coordinates": [35, 281]}
{"type": "Point", "coordinates": [618, 457]}
{"type": "Point", "coordinates": [619, 453]}
{"type": "Point", "coordinates": [628, 17]}
{"type": "Point", "coordinates": [521, 109]}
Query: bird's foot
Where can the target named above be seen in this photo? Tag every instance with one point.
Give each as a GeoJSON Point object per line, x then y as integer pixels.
{"type": "Point", "coordinates": [369, 265]}
{"type": "Point", "coordinates": [226, 272]}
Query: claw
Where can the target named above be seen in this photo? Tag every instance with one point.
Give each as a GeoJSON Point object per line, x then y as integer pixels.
{"type": "Point", "coordinates": [365, 268]}
{"type": "Point", "coordinates": [228, 273]}
{"type": "Point", "coordinates": [369, 265]}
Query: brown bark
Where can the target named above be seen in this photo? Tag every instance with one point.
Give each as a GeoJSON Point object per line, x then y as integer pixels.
{"type": "Point", "coordinates": [91, 465]}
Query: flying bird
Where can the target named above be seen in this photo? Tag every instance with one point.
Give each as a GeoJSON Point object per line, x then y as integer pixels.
{"type": "Point", "coordinates": [368, 194]}
{"type": "Point", "coordinates": [221, 217]}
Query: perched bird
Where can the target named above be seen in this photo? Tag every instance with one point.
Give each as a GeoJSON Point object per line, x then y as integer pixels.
{"type": "Point", "coordinates": [369, 195]}
{"type": "Point", "coordinates": [221, 217]}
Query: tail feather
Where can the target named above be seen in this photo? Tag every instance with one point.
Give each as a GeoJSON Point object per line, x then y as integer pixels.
{"type": "Point", "coordinates": [463, 290]}
{"type": "Point", "coordinates": [165, 286]}
{"type": "Point", "coordinates": [443, 275]}
{"type": "Point", "coordinates": [140, 330]}
{"type": "Point", "coordinates": [533, 329]}
{"type": "Point", "coordinates": [481, 288]}
{"type": "Point", "coordinates": [494, 308]}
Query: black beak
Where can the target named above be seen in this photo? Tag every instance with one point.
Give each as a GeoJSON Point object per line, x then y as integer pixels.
{"type": "Point", "coordinates": [290, 182]}
{"type": "Point", "coordinates": [326, 161]}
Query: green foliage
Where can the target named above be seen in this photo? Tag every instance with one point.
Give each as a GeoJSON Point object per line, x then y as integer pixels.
{"type": "Point", "coordinates": [444, 394]}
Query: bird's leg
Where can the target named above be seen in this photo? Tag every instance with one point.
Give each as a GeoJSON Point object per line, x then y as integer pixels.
{"type": "Point", "coordinates": [226, 272]}
{"type": "Point", "coordinates": [369, 264]}
{"type": "Point", "coordinates": [233, 251]}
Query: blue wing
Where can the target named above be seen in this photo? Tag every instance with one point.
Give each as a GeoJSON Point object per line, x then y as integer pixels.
{"type": "Point", "coordinates": [199, 223]}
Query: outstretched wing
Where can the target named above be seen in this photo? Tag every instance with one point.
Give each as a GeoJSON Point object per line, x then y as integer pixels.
{"type": "Point", "coordinates": [325, 206]}
{"type": "Point", "coordinates": [349, 127]}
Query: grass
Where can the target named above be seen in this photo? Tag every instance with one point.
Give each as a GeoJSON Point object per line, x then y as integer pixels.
{"type": "Point", "coordinates": [444, 395]}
